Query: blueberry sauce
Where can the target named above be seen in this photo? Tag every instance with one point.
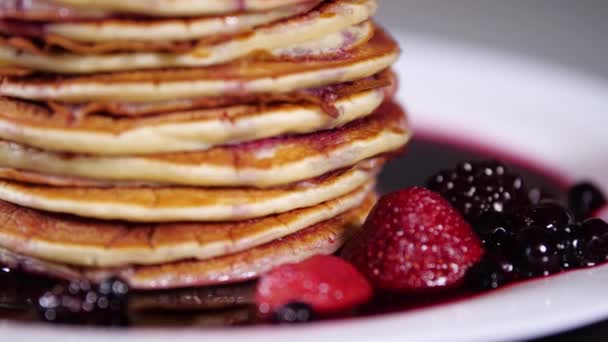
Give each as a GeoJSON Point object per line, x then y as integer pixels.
{"type": "Point", "coordinates": [21, 294]}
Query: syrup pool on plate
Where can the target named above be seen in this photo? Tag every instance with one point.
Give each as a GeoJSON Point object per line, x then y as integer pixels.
{"type": "Point", "coordinates": [233, 304]}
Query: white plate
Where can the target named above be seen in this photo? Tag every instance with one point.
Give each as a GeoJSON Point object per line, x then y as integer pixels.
{"type": "Point", "coordinates": [523, 107]}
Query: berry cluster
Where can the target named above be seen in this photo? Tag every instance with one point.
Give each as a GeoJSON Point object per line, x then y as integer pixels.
{"type": "Point", "coordinates": [78, 302]}
{"type": "Point", "coordinates": [523, 238]}
{"type": "Point", "coordinates": [481, 226]}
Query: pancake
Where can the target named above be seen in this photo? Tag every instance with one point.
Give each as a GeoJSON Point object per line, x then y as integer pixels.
{"type": "Point", "coordinates": [323, 238]}
{"type": "Point", "coordinates": [323, 96]}
{"type": "Point", "coordinates": [37, 126]}
{"type": "Point", "coordinates": [166, 204]}
{"type": "Point", "coordinates": [330, 26]}
{"type": "Point", "coordinates": [177, 8]}
{"type": "Point", "coordinates": [27, 39]}
{"type": "Point", "coordinates": [93, 243]}
{"type": "Point", "coordinates": [262, 163]}
{"type": "Point", "coordinates": [243, 77]}
{"type": "Point", "coordinates": [90, 57]}
{"type": "Point", "coordinates": [150, 30]}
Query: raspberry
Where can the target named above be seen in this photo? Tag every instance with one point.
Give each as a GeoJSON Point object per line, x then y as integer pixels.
{"type": "Point", "coordinates": [414, 240]}
{"type": "Point", "coordinates": [327, 284]}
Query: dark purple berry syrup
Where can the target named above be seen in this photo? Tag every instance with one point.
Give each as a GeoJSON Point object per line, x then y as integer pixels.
{"type": "Point", "coordinates": [20, 294]}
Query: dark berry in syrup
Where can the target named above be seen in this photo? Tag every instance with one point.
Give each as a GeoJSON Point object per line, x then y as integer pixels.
{"type": "Point", "coordinates": [78, 302]}
{"type": "Point", "coordinates": [550, 215]}
{"type": "Point", "coordinates": [491, 273]}
{"type": "Point", "coordinates": [478, 187]}
{"type": "Point", "coordinates": [592, 244]}
{"type": "Point", "coordinates": [294, 313]}
{"type": "Point", "coordinates": [496, 231]}
{"type": "Point", "coordinates": [536, 252]}
{"type": "Point", "coordinates": [584, 199]}
{"type": "Point", "coordinates": [10, 298]}
{"type": "Point", "coordinates": [567, 242]}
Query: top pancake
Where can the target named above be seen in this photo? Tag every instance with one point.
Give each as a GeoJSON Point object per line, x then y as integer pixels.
{"type": "Point", "coordinates": [142, 29]}
{"type": "Point", "coordinates": [177, 8]}
{"type": "Point", "coordinates": [327, 29]}
{"type": "Point", "coordinates": [245, 76]}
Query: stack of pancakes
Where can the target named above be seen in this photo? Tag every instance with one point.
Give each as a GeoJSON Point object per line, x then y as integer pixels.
{"type": "Point", "coordinates": [178, 143]}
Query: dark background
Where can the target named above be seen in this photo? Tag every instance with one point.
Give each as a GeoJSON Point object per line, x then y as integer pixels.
{"type": "Point", "coordinates": [571, 33]}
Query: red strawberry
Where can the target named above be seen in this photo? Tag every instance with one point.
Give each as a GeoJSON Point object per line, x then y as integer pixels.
{"type": "Point", "coordinates": [414, 240]}
{"type": "Point", "coordinates": [327, 283]}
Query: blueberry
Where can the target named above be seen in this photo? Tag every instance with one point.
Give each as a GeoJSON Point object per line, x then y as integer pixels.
{"type": "Point", "coordinates": [490, 273]}
{"type": "Point", "coordinates": [567, 242]}
{"type": "Point", "coordinates": [550, 215]}
{"type": "Point", "coordinates": [585, 198]}
{"type": "Point", "coordinates": [294, 313]}
{"type": "Point", "coordinates": [536, 252]}
{"type": "Point", "coordinates": [592, 245]}
{"type": "Point", "coordinates": [496, 231]}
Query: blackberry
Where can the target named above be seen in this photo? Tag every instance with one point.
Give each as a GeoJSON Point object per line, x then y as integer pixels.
{"type": "Point", "coordinates": [584, 199]}
{"type": "Point", "coordinates": [78, 302]}
{"type": "Point", "coordinates": [293, 313]}
{"type": "Point", "coordinates": [478, 187]}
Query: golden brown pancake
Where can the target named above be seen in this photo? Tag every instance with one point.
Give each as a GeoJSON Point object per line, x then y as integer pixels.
{"type": "Point", "coordinates": [109, 34]}
{"type": "Point", "coordinates": [54, 11]}
{"type": "Point", "coordinates": [323, 238]}
{"type": "Point", "coordinates": [94, 243]}
{"type": "Point", "coordinates": [245, 76]}
{"type": "Point", "coordinates": [179, 37]}
{"type": "Point", "coordinates": [322, 96]}
{"type": "Point", "coordinates": [176, 8]}
{"type": "Point", "coordinates": [263, 163]}
{"type": "Point", "coordinates": [332, 27]}
{"type": "Point", "coordinates": [38, 126]}
{"type": "Point", "coordinates": [166, 204]}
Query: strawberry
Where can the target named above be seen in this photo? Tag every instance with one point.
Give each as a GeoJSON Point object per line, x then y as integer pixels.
{"type": "Point", "coordinates": [414, 240]}
{"type": "Point", "coordinates": [328, 284]}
